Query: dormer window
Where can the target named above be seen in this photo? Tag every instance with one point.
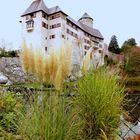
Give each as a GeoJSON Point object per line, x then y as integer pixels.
{"type": "Point", "coordinates": [29, 25]}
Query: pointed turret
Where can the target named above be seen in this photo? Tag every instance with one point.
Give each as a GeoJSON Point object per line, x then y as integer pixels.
{"type": "Point", "coordinates": [87, 20]}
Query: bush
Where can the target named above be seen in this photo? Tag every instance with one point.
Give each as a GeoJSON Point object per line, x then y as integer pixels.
{"type": "Point", "coordinates": [10, 104]}
{"type": "Point", "coordinates": [132, 66]}
{"type": "Point", "coordinates": [99, 105]}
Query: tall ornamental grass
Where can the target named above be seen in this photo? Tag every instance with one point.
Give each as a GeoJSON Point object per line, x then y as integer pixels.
{"type": "Point", "coordinates": [49, 117]}
{"type": "Point", "coordinates": [52, 68]}
{"type": "Point", "coordinates": [92, 114]}
{"type": "Point", "coordinates": [99, 105]}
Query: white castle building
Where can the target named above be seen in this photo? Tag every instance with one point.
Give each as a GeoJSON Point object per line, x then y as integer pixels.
{"type": "Point", "coordinates": [49, 27]}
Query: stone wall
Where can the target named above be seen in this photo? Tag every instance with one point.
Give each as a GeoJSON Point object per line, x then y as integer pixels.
{"type": "Point", "coordinates": [11, 68]}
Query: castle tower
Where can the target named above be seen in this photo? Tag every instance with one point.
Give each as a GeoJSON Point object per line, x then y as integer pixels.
{"type": "Point", "coordinates": [87, 20]}
{"type": "Point", "coordinates": [34, 22]}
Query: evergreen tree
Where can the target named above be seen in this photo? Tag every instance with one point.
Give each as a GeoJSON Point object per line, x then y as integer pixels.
{"type": "Point", "coordinates": [127, 45]}
{"type": "Point", "coordinates": [113, 45]}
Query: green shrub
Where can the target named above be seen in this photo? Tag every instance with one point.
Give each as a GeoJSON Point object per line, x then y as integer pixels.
{"type": "Point", "coordinates": [99, 105]}
{"type": "Point", "coordinates": [10, 104]}
{"type": "Point", "coordinates": [132, 65]}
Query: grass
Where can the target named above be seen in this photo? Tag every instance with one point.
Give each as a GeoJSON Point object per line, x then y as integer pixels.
{"type": "Point", "coordinates": [49, 118]}
{"type": "Point", "coordinates": [99, 105]}
{"type": "Point", "coordinates": [93, 113]}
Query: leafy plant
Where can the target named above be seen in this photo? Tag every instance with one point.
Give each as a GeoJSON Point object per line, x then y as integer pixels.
{"type": "Point", "coordinates": [10, 104]}
{"type": "Point", "coordinates": [99, 105]}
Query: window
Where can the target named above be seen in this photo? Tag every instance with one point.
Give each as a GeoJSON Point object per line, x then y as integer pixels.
{"type": "Point", "coordinates": [44, 25]}
{"type": "Point", "coordinates": [68, 31]}
{"type": "Point", "coordinates": [100, 51]}
{"type": "Point", "coordinates": [55, 26]}
{"type": "Point", "coordinates": [86, 47]}
{"type": "Point", "coordinates": [55, 16]}
{"type": "Point", "coordinates": [87, 41]}
{"type": "Point", "coordinates": [44, 15]}
{"type": "Point", "coordinates": [46, 49]}
{"type": "Point", "coordinates": [30, 24]}
{"type": "Point", "coordinates": [52, 36]}
{"type": "Point", "coordinates": [63, 36]}
{"type": "Point", "coordinates": [59, 25]}
{"type": "Point", "coordinates": [72, 33]}
{"type": "Point", "coordinates": [72, 25]}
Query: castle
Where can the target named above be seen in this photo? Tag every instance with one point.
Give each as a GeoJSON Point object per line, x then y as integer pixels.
{"type": "Point", "coordinates": [48, 27]}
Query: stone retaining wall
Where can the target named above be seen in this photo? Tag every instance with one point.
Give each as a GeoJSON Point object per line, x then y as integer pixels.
{"type": "Point", "coordinates": [11, 68]}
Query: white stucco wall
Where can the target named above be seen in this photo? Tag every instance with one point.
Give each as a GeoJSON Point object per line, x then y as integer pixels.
{"type": "Point", "coordinates": [33, 37]}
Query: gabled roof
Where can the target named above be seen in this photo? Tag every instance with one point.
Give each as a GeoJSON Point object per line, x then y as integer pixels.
{"type": "Point", "coordinates": [85, 16]}
{"type": "Point", "coordinates": [92, 31]}
{"type": "Point", "coordinates": [37, 5]}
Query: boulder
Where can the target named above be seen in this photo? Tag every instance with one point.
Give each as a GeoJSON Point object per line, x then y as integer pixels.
{"type": "Point", "coordinates": [3, 79]}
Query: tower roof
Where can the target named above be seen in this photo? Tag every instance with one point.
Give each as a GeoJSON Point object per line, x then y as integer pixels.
{"type": "Point", "coordinates": [36, 5]}
{"type": "Point", "coordinates": [85, 15]}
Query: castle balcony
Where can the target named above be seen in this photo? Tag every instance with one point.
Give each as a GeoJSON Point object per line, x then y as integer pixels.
{"type": "Point", "coordinates": [29, 25]}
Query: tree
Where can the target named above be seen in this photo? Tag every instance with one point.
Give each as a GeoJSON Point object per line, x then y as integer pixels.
{"type": "Point", "coordinates": [128, 44]}
{"type": "Point", "coordinates": [133, 63]}
{"type": "Point", "coordinates": [113, 45]}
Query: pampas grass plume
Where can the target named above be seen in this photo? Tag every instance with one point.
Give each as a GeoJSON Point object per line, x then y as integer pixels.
{"type": "Point", "coordinates": [39, 64]}
{"type": "Point", "coordinates": [32, 60]}
{"type": "Point", "coordinates": [86, 63]}
{"type": "Point", "coordinates": [53, 65]}
{"type": "Point", "coordinates": [24, 57]}
{"type": "Point", "coordinates": [47, 69]}
{"type": "Point", "coordinates": [58, 79]}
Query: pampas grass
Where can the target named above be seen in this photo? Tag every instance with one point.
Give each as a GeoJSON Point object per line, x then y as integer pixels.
{"type": "Point", "coordinates": [24, 57]}
{"type": "Point", "coordinates": [52, 68]}
{"type": "Point", "coordinates": [59, 78]}
{"type": "Point", "coordinates": [39, 65]}
{"type": "Point", "coordinates": [67, 62]}
{"type": "Point", "coordinates": [47, 69]}
{"type": "Point", "coordinates": [64, 65]}
{"type": "Point", "coordinates": [53, 65]}
{"type": "Point", "coordinates": [86, 62]}
{"type": "Point", "coordinates": [31, 60]}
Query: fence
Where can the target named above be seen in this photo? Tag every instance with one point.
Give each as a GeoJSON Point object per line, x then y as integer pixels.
{"type": "Point", "coordinates": [130, 123]}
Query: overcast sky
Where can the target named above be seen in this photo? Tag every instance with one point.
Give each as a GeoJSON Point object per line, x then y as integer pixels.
{"type": "Point", "coordinates": [119, 17]}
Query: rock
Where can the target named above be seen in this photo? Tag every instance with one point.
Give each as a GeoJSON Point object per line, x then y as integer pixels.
{"type": "Point", "coordinates": [3, 79]}
{"type": "Point", "coordinates": [72, 78]}
{"type": "Point", "coordinates": [9, 83]}
{"type": "Point", "coordinates": [11, 68]}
